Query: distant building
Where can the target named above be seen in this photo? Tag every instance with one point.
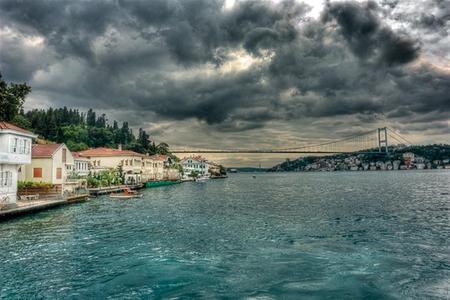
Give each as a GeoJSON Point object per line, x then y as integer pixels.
{"type": "Point", "coordinates": [396, 164]}
{"type": "Point", "coordinates": [420, 166]}
{"type": "Point", "coordinates": [195, 164]}
{"type": "Point", "coordinates": [158, 167]}
{"type": "Point", "coordinates": [107, 158]}
{"type": "Point", "coordinates": [15, 150]}
{"type": "Point", "coordinates": [408, 159]}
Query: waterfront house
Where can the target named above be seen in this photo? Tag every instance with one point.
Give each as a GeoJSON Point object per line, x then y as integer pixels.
{"type": "Point", "coordinates": [396, 164]}
{"type": "Point", "coordinates": [108, 158]}
{"type": "Point", "coordinates": [15, 151]}
{"type": "Point", "coordinates": [153, 167]}
{"type": "Point", "coordinates": [50, 163]}
{"type": "Point", "coordinates": [195, 164]}
{"type": "Point", "coordinates": [82, 165]}
{"type": "Point", "coordinates": [408, 159]}
{"type": "Point", "coordinates": [158, 167]}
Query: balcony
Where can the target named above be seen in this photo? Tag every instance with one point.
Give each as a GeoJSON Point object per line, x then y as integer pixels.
{"type": "Point", "coordinates": [14, 158]}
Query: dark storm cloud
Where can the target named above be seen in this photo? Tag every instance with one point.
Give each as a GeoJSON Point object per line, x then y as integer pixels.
{"type": "Point", "coordinates": [367, 36]}
{"type": "Point", "coordinates": [170, 58]}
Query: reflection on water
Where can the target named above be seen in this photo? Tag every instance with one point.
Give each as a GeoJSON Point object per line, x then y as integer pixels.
{"type": "Point", "coordinates": [317, 235]}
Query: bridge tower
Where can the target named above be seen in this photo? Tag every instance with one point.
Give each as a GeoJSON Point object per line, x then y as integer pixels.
{"type": "Point", "coordinates": [383, 140]}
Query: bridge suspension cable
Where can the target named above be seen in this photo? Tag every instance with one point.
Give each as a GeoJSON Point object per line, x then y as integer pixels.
{"type": "Point", "coordinates": [372, 141]}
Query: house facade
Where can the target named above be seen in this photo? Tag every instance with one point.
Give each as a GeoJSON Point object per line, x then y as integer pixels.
{"type": "Point", "coordinates": [81, 165]}
{"type": "Point", "coordinates": [158, 167]}
{"type": "Point", "coordinates": [195, 164]}
{"type": "Point", "coordinates": [107, 158]}
{"type": "Point", "coordinates": [15, 151]}
{"type": "Point", "coordinates": [51, 163]}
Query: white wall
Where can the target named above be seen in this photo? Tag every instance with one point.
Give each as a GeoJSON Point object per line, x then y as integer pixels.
{"type": "Point", "coordinates": [112, 162]}
{"type": "Point", "coordinates": [9, 191]}
{"type": "Point", "coordinates": [5, 150]}
{"type": "Point", "coordinates": [11, 161]}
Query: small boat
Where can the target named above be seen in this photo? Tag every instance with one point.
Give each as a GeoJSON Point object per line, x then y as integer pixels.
{"type": "Point", "coordinates": [127, 194]}
{"type": "Point", "coordinates": [202, 178]}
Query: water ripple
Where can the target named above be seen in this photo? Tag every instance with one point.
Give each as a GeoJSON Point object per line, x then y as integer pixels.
{"type": "Point", "coordinates": [315, 235]}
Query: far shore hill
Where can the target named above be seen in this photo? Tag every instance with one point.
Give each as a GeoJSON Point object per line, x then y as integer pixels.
{"type": "Point", "coordinates": [399, 158]}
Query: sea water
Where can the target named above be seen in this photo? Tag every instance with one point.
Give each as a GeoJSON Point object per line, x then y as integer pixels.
{"type": "Point", "coordinates": [342, 235]}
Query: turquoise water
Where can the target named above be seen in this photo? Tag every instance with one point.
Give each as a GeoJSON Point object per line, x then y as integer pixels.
{"type": "Point", "coordinates": [372, 235]}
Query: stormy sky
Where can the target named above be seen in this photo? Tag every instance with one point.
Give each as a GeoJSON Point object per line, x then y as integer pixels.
{"type": "Point", "coordinates": [238, 74]}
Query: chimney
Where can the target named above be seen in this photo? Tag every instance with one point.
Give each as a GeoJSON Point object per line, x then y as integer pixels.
{"type": "Point", "coordinates": [119, 146]}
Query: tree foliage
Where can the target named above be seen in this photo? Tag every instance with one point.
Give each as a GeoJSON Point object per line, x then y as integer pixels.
{"type": "Point", "coordinates": [12, 98]}
{"type": "Point", "coordinates": [78, 130]}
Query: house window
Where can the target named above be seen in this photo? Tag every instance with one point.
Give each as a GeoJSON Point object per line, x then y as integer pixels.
{"type": "Point", "coordinates": [58, 173]}
{"type": "Point", "coordinates": [64, 155]}
{"type": "Point", "coordinates": [37, 172]}
{"type": "Point", "coordinates": [18, 145]}
{"type": "Point", "coordinates": [5, 178]}
{"type": "Point", "coordinates": [14, 145]}
{"type": "Point", "coordinates": [126, 162]}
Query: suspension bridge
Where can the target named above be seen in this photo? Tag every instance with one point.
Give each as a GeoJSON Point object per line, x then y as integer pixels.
{"type": "Point", "coordinates": [375, 141]}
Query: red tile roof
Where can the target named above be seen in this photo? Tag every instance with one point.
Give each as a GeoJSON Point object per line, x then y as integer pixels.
{"type": "Point", "coordinates": [107, 152]}
{"type": "Point", "coordinates": [44, 150]}
{"type": "Point", "coordinates": [78, 156]}
{"type": "Point", "coordinates": [159, 157]}
{"type": "Point", "coordinates": [6, 125]}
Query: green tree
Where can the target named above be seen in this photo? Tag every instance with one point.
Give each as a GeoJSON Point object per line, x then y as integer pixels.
{"type": "Point", "coordinates": [162, 148]}
{"type": "Point", "coordinates": [22, 121]}
{"type": "Point", "coordinates": [12, 97]}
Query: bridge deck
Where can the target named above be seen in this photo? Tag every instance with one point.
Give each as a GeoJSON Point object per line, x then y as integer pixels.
{"type": "Point", "coordinates": [272, 152]}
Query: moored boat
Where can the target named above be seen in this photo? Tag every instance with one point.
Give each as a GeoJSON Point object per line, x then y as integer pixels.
{"type": "Point", "coordinates": [127, 194]}
{"type": "Point", "coordinates": [158, 183]}
{"type": "Point", "coordinates": [202, 178]}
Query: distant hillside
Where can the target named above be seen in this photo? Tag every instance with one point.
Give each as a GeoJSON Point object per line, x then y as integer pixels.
{"type": "Point", "coordinates": [427, 156]}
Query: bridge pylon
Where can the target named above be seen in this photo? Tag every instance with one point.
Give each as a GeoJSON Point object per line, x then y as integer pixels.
{"type": "Point", "coordinates": [383, 140]}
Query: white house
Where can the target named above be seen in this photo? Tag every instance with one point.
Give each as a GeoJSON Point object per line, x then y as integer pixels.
{"type": "Point", "coordinates": [81, 165]}
{"type": "Point", "coordinates": [195, 164]}
{"type": "Point", "coordinates": [15, 150]}
{"type": "Point", "coordinates": [51, 163]}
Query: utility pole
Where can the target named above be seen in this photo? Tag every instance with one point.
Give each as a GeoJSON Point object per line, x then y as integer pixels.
{"type": "Point", "coordinates": [383, 139]}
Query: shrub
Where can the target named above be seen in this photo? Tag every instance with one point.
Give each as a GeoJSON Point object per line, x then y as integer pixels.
{"type": "Point", "coordinates": [31, 184]}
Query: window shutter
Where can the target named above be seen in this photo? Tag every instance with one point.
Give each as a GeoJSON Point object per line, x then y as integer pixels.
{"type": "Point", "coordinates": [37, 172]}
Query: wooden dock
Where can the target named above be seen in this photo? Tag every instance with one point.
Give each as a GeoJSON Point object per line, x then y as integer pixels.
{"type": "Point", "coordinates": [95, 192]}
{"type": "Point", "coordinates": [40, 205]}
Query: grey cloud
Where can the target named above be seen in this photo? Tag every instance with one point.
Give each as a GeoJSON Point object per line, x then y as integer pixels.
{"type": "Point", "coordinates": [149, 56]}
{"type": "Point", "coordinates": [367, 37]}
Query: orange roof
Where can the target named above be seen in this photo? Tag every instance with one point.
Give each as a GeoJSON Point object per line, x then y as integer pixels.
{"type": "Point", "coordinates": [107, 152]}
{"type": "Point", "coordinates": [159, 157]}
{"type": "Point", "coordinates": [78, 156]}
{"type": "Point", "coordinates": [44, 150]}
{"type": "Point", "coordinates": [6, 125]}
